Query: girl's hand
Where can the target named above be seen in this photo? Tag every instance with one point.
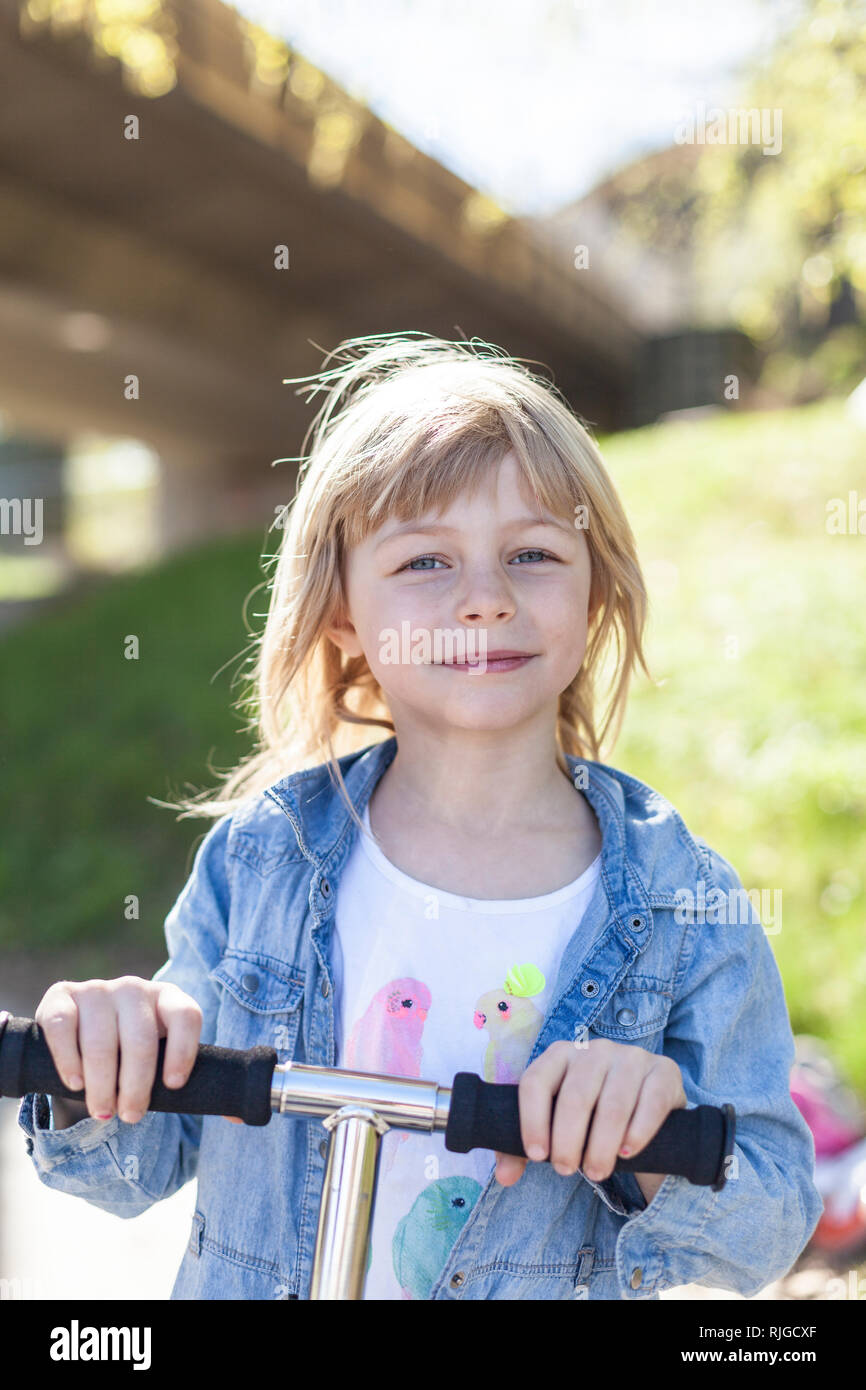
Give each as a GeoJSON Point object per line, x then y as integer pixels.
{"type": "Point", "coordinates": [633, 1092]}
{"type": "Point", "coordinates": [87, 1023]}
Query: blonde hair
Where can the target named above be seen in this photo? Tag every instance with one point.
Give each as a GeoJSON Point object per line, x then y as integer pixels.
{"type": "Point", "coordinates": [410, 421]}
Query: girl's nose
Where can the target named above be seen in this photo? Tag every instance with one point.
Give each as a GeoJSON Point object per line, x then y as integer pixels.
{"type": "Point", "coordinates": [486, 598]}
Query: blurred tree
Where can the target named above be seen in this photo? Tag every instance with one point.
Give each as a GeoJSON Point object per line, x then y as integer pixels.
{"type": "Point", "coordinates": [775, 243]}
{"type": "Point", "coordinates": [780, 239]}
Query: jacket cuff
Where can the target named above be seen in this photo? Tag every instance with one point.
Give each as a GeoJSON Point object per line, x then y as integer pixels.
{"type": "Point", "coordinates": [48, 1146]}
{"type": "Point", "coordinates": [645, 1244]}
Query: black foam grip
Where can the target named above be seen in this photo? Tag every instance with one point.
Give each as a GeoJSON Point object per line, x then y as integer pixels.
{"type": "Point", "coordinates": [224, 1081]}
{"type": "Point", "coordinates": [691, 1143]}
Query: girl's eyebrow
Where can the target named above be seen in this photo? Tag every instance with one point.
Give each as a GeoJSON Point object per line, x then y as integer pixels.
{"type": "Point", "coordinates": [416, 528]}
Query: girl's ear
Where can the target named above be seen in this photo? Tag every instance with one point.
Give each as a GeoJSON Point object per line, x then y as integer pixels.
{"type": "Point", "coordinates": [344, 636]}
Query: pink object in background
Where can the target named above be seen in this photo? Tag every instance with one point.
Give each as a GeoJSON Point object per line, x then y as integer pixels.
{"type": "Point", "coordinates": [836, 1119]}
{"type": "Point", "coordinates": [829, 1107]}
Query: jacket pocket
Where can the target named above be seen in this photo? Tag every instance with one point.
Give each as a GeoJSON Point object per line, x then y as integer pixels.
{"type": "Point", "coordinates": [261, 1001]}
{"type": "Point", "coordinates": [637, 1009]}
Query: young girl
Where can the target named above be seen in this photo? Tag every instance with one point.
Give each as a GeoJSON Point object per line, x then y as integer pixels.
{"type": "Point", "coordinates": [471, 890]}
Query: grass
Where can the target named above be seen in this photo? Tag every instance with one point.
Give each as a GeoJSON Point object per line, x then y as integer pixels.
{"type": "Point", "coordinates": [754, 726]}
{"type": "Point", "coordinates": [90, 735]}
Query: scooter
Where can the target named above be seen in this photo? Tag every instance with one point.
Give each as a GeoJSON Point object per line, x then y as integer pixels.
{"type": "Point", "coordinates": [357, 1108]}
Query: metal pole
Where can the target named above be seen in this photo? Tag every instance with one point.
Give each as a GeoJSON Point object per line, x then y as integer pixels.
{"type": "Point", "coordinates": [348, 1199]}
{"type": "Point", "coordinates": [357, 1108]}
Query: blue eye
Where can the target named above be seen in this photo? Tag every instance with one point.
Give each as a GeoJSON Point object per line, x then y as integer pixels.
{"type": "Point", "coordinates": [410, 563]}
{"type": "Point", "coordinates": [543, 553]}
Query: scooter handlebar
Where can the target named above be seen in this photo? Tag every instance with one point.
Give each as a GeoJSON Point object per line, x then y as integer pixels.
{"type": "Point", "coordinates": [482, 1115]}
{"type": "Point", "coordinates": [223, 1081]}
{"type": "Point", "coordinates": [695, 1144]}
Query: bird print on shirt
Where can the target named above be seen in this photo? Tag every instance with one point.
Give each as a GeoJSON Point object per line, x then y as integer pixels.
{"type": "Point", "coordinates": [387, 1036]}
{"type": "Point", "coordinates": [387, 1039]}
{"type": "Point", "coordinates": [426, 1234]}
{"type": "Point", "coordinates": [512, 1022]}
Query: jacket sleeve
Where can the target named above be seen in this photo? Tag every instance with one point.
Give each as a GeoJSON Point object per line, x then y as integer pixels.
{"type": "Point", "coordinates": [730, 1034]}
{"type": "Point", "coordinates": [125, 1168]}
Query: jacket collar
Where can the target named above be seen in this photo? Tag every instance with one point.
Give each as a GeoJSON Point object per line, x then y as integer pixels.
{"type": "Point", "coordinates": [322, 823]}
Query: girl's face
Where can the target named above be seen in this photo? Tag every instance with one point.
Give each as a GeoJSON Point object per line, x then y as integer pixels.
{"type": "Point", "coordinates": [493, 566]}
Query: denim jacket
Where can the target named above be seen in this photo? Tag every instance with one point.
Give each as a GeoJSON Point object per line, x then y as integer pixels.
{"type": "Point", "coordinates": [249, 939]}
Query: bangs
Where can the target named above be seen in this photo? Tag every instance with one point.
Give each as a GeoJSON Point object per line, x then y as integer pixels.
{"type": "Point", "coordinates": [424, 455]}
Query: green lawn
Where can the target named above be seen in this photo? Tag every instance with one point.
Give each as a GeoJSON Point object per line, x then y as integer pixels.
{"type": "Point", "coordinates": [90, 735]}
{"type": "Point", "coordinates": [755, 730]}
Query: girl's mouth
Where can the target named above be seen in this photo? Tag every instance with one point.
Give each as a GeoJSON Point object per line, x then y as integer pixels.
{"type": "Point", "coordinates": [490, 663]}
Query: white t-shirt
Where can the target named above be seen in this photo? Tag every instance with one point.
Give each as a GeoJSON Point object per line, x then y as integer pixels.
{"type": "Point", "coordinates": [430, 983]}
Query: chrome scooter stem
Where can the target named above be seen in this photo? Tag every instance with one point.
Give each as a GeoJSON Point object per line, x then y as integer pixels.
{"type": "Point", "coordinates": [348, 1201]}
{"type": "Point", "coordinates": [357, 1110]}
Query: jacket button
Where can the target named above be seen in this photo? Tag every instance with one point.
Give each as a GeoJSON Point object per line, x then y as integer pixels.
{"type": "Point", "coordinates": [250, 983]}
{"type": "Point", "coordinates": [589, 988]}
{"type": "Point", "coordinates": [626, 1016]}
{"type": "Point", "coordinates": [326, 887]}
{"type": "Point", "coordinates": [636, 1278]}
{"type": "Point", "coordinates": [323, 1147]}
{"type": "Point", "coordinates": [457, 1279]}
{"type": "Point", "coordinates": [325, 987]}
{"type": "Point", "coordinates": [638, 923]}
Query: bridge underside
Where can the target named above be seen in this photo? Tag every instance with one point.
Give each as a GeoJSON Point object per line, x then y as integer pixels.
{"type": "Point", "coordinates": [169, 240]}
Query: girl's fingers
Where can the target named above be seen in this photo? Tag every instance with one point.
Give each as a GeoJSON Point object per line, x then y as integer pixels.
{"type": "Point", "coordinates": [660, 1093]}
{"type": "Point", "coordinates": [181, 1017]}
{"type": "Point", "coordinates": [536, 1089]}
{"type": "Point", "coordinates": [57, 1016]}
{"type": "Point", "coordinates": [86, 1023]}
{"type": "Point", "coordinates": [576, 1104]}
{"type": "Point", "coordinates": [98, 1042]}
{"type": "Point", "coordinates": [618, 1097]}
{"type": "Point", "coordinates": [137, 1034]}
{"type": "Point", "coordinates": [509, 1169]}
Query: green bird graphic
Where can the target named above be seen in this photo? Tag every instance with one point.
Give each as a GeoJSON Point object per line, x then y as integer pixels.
{"type": "Point", "coordinates": [426, 1234]}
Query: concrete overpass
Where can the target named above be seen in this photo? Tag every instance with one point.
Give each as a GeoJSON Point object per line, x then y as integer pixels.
{"type": "Point", "coordinates": [154, 256]}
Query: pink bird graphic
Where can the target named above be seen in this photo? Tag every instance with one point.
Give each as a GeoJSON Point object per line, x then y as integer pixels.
{"type": "Point", "coordinates": [387, 1036]}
